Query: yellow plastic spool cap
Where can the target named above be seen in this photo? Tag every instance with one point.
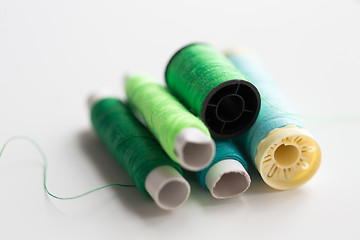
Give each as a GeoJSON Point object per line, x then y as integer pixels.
{"type": "Point", "coordinates": [288, 157]}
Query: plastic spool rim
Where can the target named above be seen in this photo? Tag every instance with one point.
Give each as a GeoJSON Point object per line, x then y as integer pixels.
{"type": "Point", "coordinates": [253, 91]}
{"type": "Point", "coordinates": [248, 104]}
{"type": "Point", "coordinates": [301, 164]}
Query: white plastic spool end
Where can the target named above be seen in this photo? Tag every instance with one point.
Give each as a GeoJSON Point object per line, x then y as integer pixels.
{"type": "Point", "coordinates": [101, 94]}
{"type": "Point", "coordinates": [194, 149]}
{"type": "Point", "coordinates": [236, 51]}
{"type": "Point", "coordinates": [227, 178]}
{"type": "Point", "coordinates": [167, 187]}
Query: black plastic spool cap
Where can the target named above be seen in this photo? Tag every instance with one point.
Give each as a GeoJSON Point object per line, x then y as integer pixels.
{"type": "Point", "coordinates": [231, 108]}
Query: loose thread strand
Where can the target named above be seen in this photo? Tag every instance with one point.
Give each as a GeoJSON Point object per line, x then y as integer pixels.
{"type": "Point", "coordinates": [43, 156]}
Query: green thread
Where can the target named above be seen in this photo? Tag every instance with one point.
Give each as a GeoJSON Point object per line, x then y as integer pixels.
{"type": "Point", "coordinates": [163, 113]}
{"type": "Point", "coordinates": [195, 71]}
{"type": "Point", "coordinates": [210, 85]}
{"type": "Point", "coordinates": [132, 145]}
{"type": "Point", "coordinates": [43, 156]}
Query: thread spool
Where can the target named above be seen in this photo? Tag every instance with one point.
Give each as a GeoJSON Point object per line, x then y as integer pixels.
{"type": "Point", "coordinates": [284, 152]}
{"type": "Point", "coordinates": [208, 83]}
{"type": "Point", "coordinates": [227, 175]}
{"type": "Point", "coordinates": [182, 135]}
{"type": "Point", "coordinates": [138, 152]}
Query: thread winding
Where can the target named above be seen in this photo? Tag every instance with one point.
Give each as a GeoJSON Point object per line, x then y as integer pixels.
{"type": "Point", "coordinates": [163, 114]}
{"type": "Point", "coordinates": [285, 154]}
{"type": "Point", "coordinates": [211, 87]}
{"type": "Point", "coordinates": [132, 145]}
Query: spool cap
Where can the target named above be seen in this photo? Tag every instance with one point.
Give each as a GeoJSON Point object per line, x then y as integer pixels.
{"type": "Point", "coordinates": [288, 157]}
{"type": "Point", "coordinates": [231, 108]}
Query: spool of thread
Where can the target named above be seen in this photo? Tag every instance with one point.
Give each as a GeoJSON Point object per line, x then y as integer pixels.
{"type": "Point", "coordinates": [284, 152]}
{"type": "Point", "coordinates": [227, 175]}
{"type": "Point", "coordinates": [138, 152]}
{"type": "Point", "coordinates": [208, 83]}
{"type": "Point", "coordinates": [182, 135]}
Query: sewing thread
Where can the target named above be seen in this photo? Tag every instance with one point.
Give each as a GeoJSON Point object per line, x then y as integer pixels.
{"type": "Point", "coordinates": [132, 145]}
{"type": "Point", "coordinates": [45, 161]}
{"type": "Point", "coordinates": [166, 118]}
{"type": "Point", "coordinates": [283, 151]}
{"type": "Point", "coordinates": [211, 87]}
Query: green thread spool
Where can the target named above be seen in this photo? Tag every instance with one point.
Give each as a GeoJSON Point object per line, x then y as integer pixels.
{"type": "Point", "coordinates": [183, 136]}
{"type": "Point", "coordinates": [135, 148]}
{"type": "Point", "coordinates": [208, 83]}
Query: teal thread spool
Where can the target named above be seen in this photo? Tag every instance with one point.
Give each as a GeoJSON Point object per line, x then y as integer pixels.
{"type": "Point", "coordinates": [135, 148]}
{"type": "Point", "coordinates": [227, 174]}
{"type": "Point", "coordinates": [182, 135]}
{"type": "Point", "coordinates": [208, 83]}
{"type": "Point", "coordinates": [285, 154]}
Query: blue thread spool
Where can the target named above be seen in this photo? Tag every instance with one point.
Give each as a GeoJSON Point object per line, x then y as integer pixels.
{"type": "Point", "coordinates": [226, 176]}
{"type": "Point", "coordinates": [284, 152]}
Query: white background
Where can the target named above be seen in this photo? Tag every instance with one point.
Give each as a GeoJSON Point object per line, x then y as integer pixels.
{"type": "Point", "coordinates": [54, 53]}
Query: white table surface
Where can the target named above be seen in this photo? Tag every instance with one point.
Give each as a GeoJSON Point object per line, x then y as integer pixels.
{"type": "Point", "coordinates": [54, 53]}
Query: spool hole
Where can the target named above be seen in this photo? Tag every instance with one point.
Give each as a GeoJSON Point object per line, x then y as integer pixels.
{"type": "Point", "coordinates": [286, 155]}
{"type": "Point", "coordinates": [230, 108]}
{"type": "Point", "coordinates": [173, 194]}
{"type": "Point", "coordinates": [231, 184]}
{"type": "Point", "coordinates": [198, 155]}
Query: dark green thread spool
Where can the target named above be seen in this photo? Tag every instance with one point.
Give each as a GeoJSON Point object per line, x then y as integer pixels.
{"type": "Point", "coordinates": [138, 152]}
{"type": "Point", "coordinates": [208, 83]}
